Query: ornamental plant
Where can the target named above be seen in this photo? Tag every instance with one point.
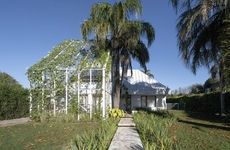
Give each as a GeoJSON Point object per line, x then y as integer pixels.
{"type": "Point", "coordinates": [154, 130]}
{"type": "Point", "coordinates": [97, 139]}
{"type": "Point", "coordinates": [116, 113]}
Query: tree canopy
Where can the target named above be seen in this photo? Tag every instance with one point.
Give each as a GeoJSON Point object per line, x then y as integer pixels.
{"type": "Point", "coordinates": [204, 36]}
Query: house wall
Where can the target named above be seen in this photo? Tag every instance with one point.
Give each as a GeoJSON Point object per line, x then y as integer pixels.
{"type": "Point", "coordinates": [152, 101]}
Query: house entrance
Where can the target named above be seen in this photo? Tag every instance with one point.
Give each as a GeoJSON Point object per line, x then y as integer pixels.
{"type": "Point", "coordinates": [128, 104]}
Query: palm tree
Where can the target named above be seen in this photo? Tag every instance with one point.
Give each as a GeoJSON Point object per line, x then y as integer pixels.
{"type": "Point", "coordinates": [113, 30]}
{"type": "Point", "coordinates": [204, 35]}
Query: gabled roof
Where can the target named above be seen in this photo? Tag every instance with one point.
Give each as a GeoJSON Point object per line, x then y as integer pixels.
{"type": "Point", "coordinates": [141, 84]}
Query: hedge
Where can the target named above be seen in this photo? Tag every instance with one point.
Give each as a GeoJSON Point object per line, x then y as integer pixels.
{"type": "Point", "coordinates": [14, 102]}
{"type": "Point", "coordinates": [207, 103]}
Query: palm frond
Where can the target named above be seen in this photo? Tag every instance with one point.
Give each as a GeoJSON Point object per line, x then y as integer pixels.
{"type": "Point", "coordinates": [141, 54]}
{"type": "Point", "coordinates": [99, 21]}
{"type": "Point", "coordinates": [149, 32]}
{"type": "Point", "coordinates": [101, 12]}
{"type": "Point", "coordinates": [197, 38]}
{"type": "Point", "coordinates": [118, 16]}
{"type": "Point", "coordinates": [175, 4]}
{"type": "Point", "coordinates": [131, 31]}
{"type": "Point", "coordinates": [86, 28]}
{"type": "Point", "coordinates": [132, 7]}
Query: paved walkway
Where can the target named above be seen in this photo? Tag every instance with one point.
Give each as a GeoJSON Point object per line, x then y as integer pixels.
{"type": "Point", "coordinates": [12, 122]}
{"type": "Point", "coordinates": [126, 136]}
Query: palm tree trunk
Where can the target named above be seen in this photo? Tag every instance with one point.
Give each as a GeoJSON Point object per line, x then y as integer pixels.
{"type": "Point", "coordinates": [115, 74]}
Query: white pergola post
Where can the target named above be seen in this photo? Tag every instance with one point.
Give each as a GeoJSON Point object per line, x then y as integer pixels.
{"type": "Point", "coordinates": [54, 100]}
{"type": "Point", "coordinates": [90, 93]}
{"type": "Point", "coordinates": [110, 92]}
{"type": "Point", "coordinates": [30, 100]}
{"type": "Point", "coordinates": [78, 95]}
{"type": "Point", "coordinates": [66, 90]}
{"type": "Point", "coordinates": [103, 93]}
{"type": "Point", "coordinates": [43, 89]}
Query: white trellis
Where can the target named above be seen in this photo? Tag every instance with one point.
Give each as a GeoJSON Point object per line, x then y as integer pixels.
{"type": "Point", "coordinates": [80, 89]}
{"type": "Point", "coordinates": [89, 89]}
{"type": "Point", "coordinates": [60, 79]}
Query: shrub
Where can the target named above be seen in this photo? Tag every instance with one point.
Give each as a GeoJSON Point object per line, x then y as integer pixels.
{"type": "Point", "coordinates": [116, 113]}
{"type": "Point", "coordinates": [99, 138]}
{"type": "Point", "coordinates": [143, 109]}
{"type": "Point", "coordinates": [154, 130]}
{"type": "Point", "coordinates": [205, 103]}
{"type": "Point", "coordinates": [14, 102]}
{"type": "Point", "coordinates": [163, 114]}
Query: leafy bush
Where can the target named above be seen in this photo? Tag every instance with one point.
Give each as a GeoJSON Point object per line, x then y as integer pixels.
{"type": "Point", "coordinates": [143, 109]}
{"type": "Point", "coordinates": [14, 102]}
{"type": "Point", "coordinates": [206, 103]}
{"type": "Point", "coordinates": [153, 130]}
{"type": "Point", "coordinates": [99, 138]}
{"type": "Point", "coordinates": [116, 113]}
{"type": "Point", "coordinates": [163, 114]}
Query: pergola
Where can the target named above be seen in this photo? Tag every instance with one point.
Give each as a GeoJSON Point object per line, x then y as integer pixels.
{"type": "Point", "coordinates": [70, 79]}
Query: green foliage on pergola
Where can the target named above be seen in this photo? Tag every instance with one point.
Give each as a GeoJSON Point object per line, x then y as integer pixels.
{"type": "Point", "coordinates": [53, 74]}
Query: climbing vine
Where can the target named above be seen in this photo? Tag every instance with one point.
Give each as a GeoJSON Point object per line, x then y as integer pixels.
{"type": "Point", "coordinates": [48, 77]}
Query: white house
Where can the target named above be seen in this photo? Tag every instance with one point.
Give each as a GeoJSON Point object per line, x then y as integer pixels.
{"type": "Point", "coordinates": [142, 91]}
{"type": "Point", "coordinates": [139, 91]}
{"type": "Point", "coordinates": [70, 74]}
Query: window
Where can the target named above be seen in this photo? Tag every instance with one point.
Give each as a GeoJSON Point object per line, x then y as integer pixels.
{"type": "Point", "coordinates": [143, 101]}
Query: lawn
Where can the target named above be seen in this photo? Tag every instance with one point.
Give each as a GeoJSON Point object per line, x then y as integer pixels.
{"type": "Point", "coordinates": [197, 131]}
{"type": "Point", "coordinates": [42, 135]}
{"type": "Point", "coordinates": [181, 130]}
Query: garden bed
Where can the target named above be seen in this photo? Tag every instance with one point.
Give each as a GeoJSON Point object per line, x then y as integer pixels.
{"type": "Point", "coordinates": [54, 135]}
{"type": "Point", "coordinates": [179, 130]}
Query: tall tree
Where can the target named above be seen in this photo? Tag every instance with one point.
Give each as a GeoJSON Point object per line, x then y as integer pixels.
{"type": "Point", "coordinates": [112, 29]}
{"type": "Point", "coordinates": [204, 34]}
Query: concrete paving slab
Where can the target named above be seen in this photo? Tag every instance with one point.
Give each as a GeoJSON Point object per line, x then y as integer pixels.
{"type": "Point", "coordinates": [128, 115]}
{"type": "Point", "coordinates": [12, 122]}
{"type": "Point", "coordinates": [126, 138]}
{"type": "Point", "coordinates": [126, 122]}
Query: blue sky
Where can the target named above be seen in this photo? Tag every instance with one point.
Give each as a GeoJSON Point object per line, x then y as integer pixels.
{"type": "Point", "coordinates": [30, 28]}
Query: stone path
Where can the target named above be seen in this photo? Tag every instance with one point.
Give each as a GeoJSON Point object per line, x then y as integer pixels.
{"type": "Point", "coordinates": [12, 122]}
{"type": "Point", "coordinates": [126, 136]}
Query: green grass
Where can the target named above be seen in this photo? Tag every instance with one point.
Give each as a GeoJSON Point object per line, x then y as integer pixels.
{"type": "Point", "coordinates": [196, 131]}
{"type": "Point", "coordinates": [154, 130]}
{"type": "Point", "coordinates": [187, 131]}
{"type": "Point", "coordinates": [42, 135]}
